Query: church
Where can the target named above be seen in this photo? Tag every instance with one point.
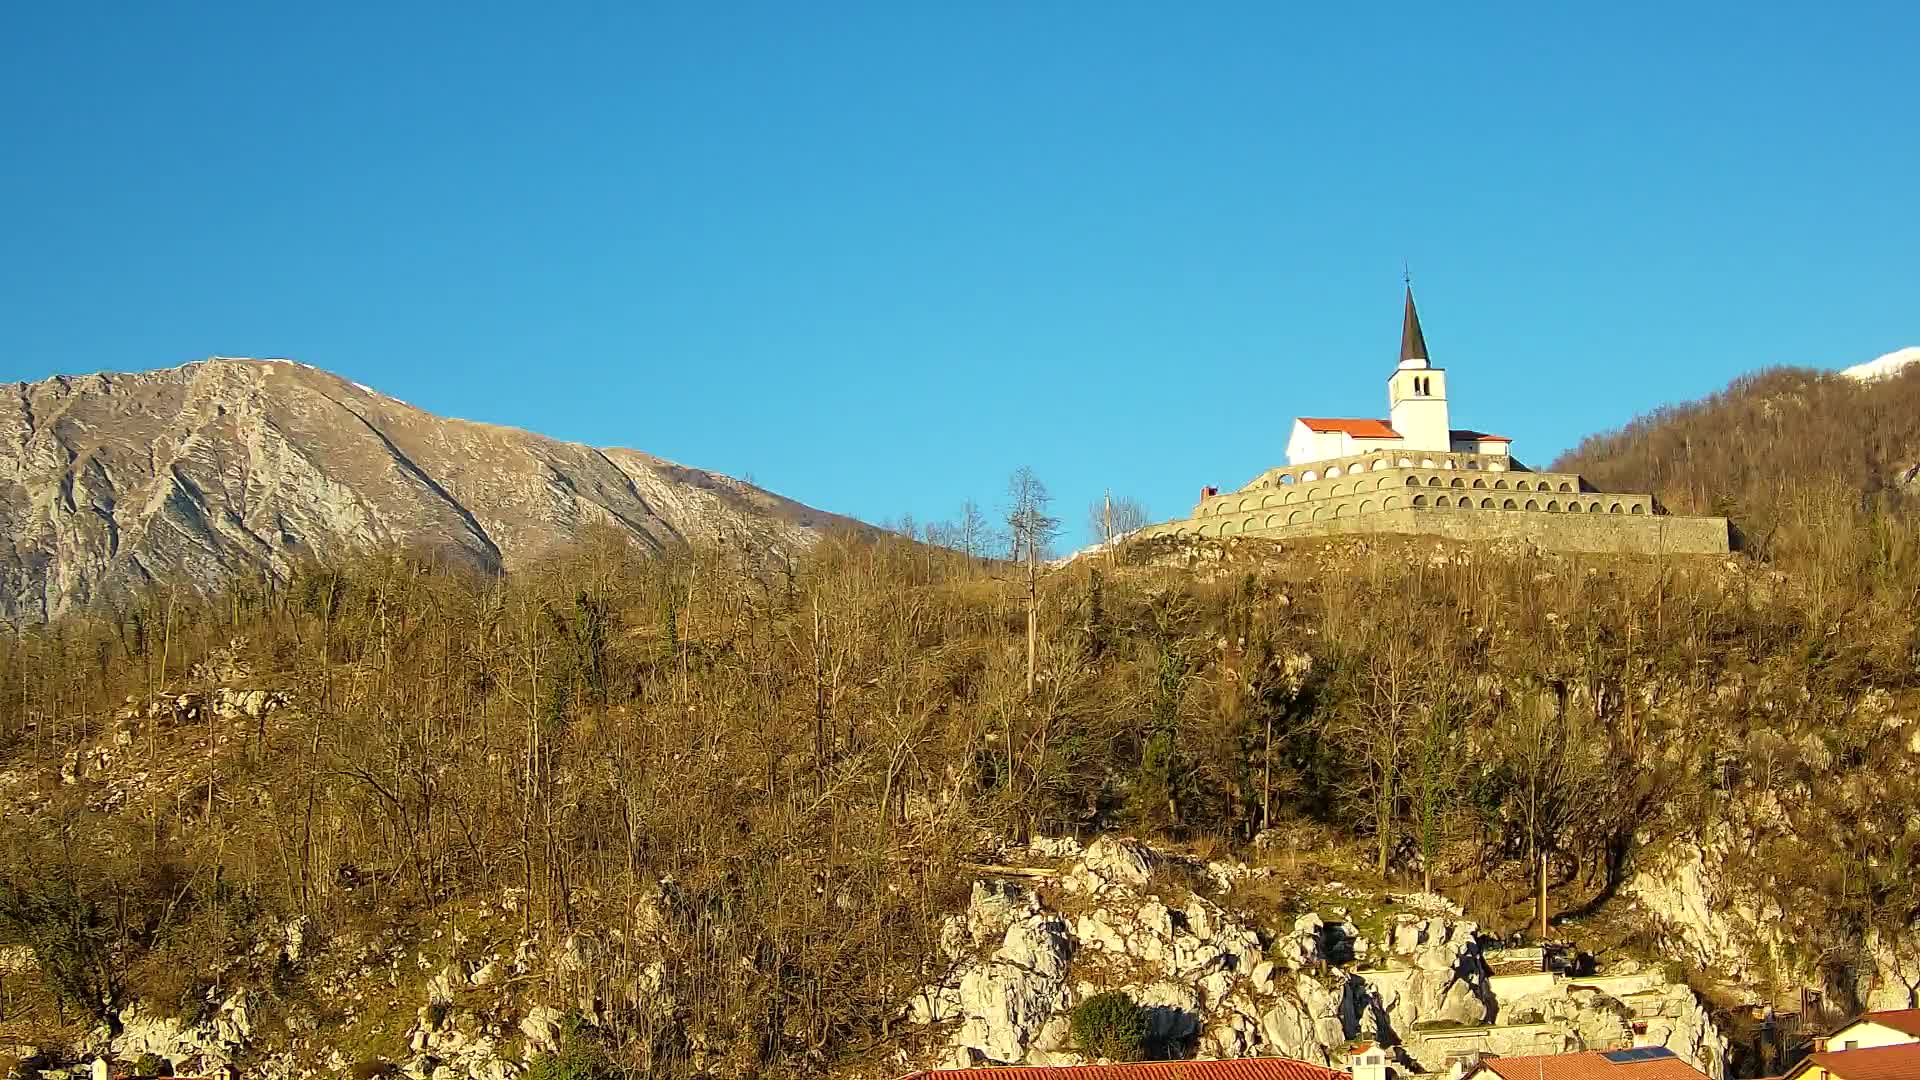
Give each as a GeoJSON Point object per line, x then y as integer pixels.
{"type": "Point", "coordinates": [1412, 472]}
{"type": "Point", "coordinates": [1417, 416]}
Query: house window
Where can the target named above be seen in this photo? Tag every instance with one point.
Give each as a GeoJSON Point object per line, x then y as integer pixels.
{"type": "Point", "coordinates": [1851, 1044]}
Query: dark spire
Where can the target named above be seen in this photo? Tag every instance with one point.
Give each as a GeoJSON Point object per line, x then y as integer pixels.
{"type": "Point", "coordinates": [1413, 345]}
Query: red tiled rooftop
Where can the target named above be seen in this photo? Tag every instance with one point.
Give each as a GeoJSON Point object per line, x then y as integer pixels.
{"type": "Point", "coordinates": [1358, 428]}
{"type": "Point", "coordinates": [1590, 1065]}
{"type": "Point", "coordinates": [1907, 1020]}
{"type": "Point", "coordinates": [1879, 1063]}
{"type": "Point", "coordinates": [1231, 1069]}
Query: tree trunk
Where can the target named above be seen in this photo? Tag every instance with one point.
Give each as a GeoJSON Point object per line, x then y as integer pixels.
{"type": "Point", "coordinates": [819, 706]}
{"type": "Point", "coordinates": [1266, 780]}
{"type": "Point", "coordinates": [1033, 614]}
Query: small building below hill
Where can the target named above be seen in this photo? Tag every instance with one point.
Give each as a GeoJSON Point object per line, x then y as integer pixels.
{"type": "Point", "coordinates": [1644, 1063]}
{"type": "Point", "coordinates": [1893, 1027]}
{"type": "Point", "coordinates": [1899, 1062]}
{"type": "Point", "coordinates": [1413, 472]}
{"type": "Point", "coordinates": [1224, 1069]}
{"type": "Point", "coordinates": [1872, 1046]}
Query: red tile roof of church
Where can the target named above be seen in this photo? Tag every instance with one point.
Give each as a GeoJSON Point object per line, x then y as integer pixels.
{"type": "Point", "coordinates": [1358, 428]}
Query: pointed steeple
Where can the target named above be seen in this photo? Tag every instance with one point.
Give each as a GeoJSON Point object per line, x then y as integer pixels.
{"type": "Point", "coordinates": [1413, 344]}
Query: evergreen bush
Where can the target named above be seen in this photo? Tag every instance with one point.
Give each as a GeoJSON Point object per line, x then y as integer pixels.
{"type": "Point", "coordinates": [1110, 1025]}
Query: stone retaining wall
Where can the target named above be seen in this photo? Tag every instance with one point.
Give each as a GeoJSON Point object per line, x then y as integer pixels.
{"type": "Point", "coordinates": [1559, 530]}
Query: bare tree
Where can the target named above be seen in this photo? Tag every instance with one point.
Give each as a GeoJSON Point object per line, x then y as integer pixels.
{"type": "Point", "coordinates": [1113, 516]}
{"type": "Point", "coordinates": [1543, 754]}
{"type": "Point", "coordinates": [1031, 531]}
{"type": "Point", "coordinates": [1375, 728]}
{"type": "Point", "coordinates": [1435, 771]}
{"type": "Point", "coordinates": [972, 533]}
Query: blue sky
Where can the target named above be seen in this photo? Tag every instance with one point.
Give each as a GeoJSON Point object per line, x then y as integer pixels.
{"type": "Point", "coordinates": [876, 256]}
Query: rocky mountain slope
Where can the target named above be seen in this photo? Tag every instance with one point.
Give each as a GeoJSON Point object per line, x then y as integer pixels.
{"type": "Point", "coordinates": [229, 468]}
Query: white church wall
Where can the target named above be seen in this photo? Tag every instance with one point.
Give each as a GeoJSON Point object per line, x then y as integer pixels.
{"type": "Point", "coordinates": [1307, 444]}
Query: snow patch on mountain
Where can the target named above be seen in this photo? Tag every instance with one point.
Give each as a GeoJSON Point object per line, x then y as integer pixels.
{"type": "Point", "coordinates": [1884, 367]}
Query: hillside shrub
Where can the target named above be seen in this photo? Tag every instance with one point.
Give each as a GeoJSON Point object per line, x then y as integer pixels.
{"type": "Point", "coordinates": [575, 1061]}
{"type": "Point", "coordinates": [70, 937]}
{"type": "Point", "coordinates": [579, 1055]}
{"type": "Point", "coordinates": [1110, 1025]}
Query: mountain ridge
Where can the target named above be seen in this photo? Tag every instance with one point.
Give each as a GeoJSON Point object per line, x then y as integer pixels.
{"type": "Point", "coordinates": [228, 465]}
{"type": "Point", "coordinates": [1771, 439]}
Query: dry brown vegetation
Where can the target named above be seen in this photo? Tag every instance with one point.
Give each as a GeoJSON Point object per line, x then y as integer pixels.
{"type": "Point", "coordinates": [1769, 451]}
{"type": "Point", "coordinates": [768, 774]}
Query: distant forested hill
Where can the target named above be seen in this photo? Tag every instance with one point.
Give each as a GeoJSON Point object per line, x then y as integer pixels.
{"type": "Point", "coordinates": [1768, 448]}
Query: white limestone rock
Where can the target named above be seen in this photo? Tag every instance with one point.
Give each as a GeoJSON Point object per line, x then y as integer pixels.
{"type": "Point", "coordinates": [1097, 931]}
{"type": "Point", "coordinates": [1305, 946]}
{"type": "Point", "coordinates": [1311, 1020]}
{"type": "Point", "coordinates": [541, 1026]}
{"type": "Point", "coordinates": [1235, 1035]}
{"type": "Point", "coordinates": [1040, 945]}
{"type": "Point", "coordinates": [1172, 1010]}
{"type": "Point", "coordinates": [1207, 984]}
{"type": "Point", "coordinates": [294, 939]}
{"type": "Point", "coordinates": [1056, 847]}
{"type": "Point", "coordinates": [994, 906]}
{"type": "Point", "coordinates": [1111, 863]}
{"type": "Point", "coordinates": [17, 960]}
{"type": "Point", "coordinates": [1004, 1007]}
{"type": "Point", "coordinates": [219, 1039]}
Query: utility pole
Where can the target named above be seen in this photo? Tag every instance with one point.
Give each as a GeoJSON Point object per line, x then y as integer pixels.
{"type": "Point", "coordinates": [1543, 897]}
{"type": "Point", "coordinates": [1106, 531]}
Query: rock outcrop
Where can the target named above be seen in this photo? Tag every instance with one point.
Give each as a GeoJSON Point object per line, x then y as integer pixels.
{"type": "Point", "coordinates": [220, 1038]}
{"type": "Point", "coordinates": [1727, 923]}
{"type": "Point", "coordinates": [229, 469]}
{"type": "Point", "coordinates": [1214, 983]}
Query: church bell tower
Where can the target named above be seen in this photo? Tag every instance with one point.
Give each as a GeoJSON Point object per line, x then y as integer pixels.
{"type": "Point", "coordinates": [1417, 391]}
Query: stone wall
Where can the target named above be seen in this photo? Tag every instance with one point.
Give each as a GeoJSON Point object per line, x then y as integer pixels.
{"type": "Point", "coordinates": [1514, 987]}
{"type": "Point", "coordinates": [1647, 534]}
{"type": "Point", "coordinates": [1452, 496]}
{"type": "Point", "coordinates": [1643, 535]}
